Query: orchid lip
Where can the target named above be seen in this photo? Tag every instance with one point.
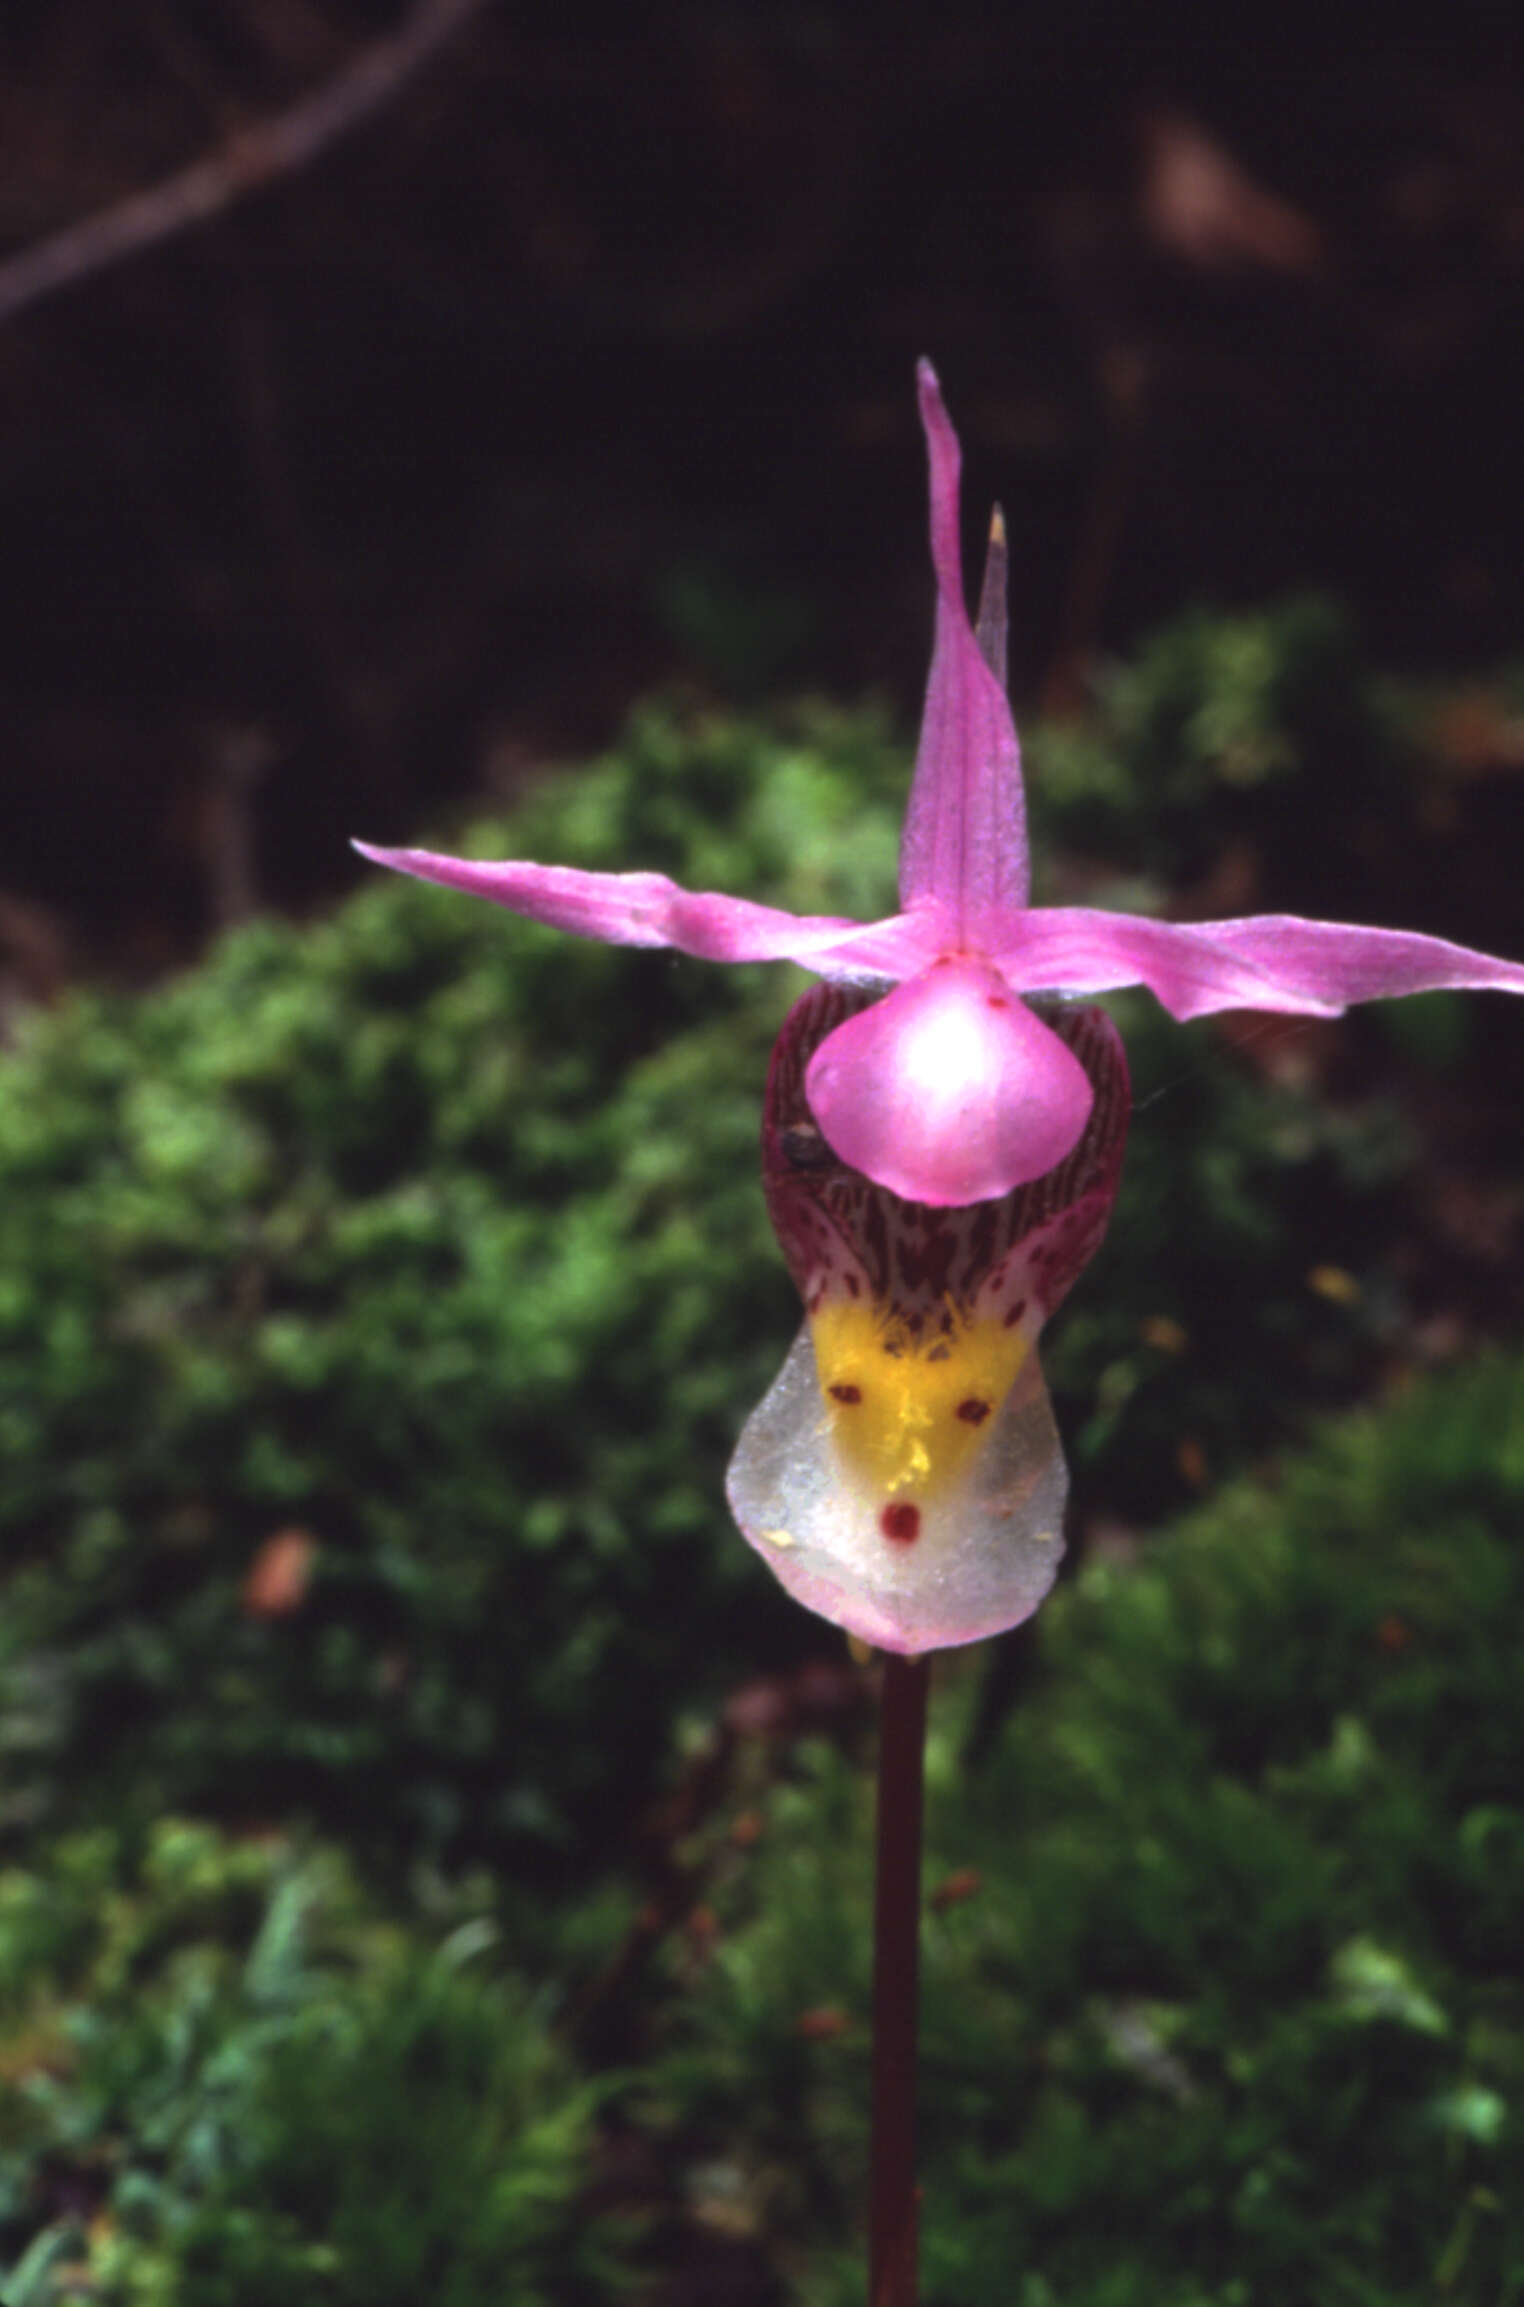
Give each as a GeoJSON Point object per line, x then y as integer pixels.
{"type": "Point", "coordinates": [981, 1558]}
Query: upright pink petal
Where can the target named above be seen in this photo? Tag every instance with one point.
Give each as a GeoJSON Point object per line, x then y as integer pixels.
{"type": "Point", "coordinates": [1271, 962]}
{"type": "Point", "coordinates": [949, 1090]}
{"type": "Point", "coordinates": [648, 909]}
{"type": "Point", "coordinates": [963, 853]}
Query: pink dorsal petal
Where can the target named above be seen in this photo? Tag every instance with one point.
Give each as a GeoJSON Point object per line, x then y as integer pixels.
{"type": "Point", "coordinates": [949, 1090]}
{"type": "Point", "coordinates": [963, 853]}
{"type": "Point", "coordinates": [1272, 962]}
{"type": "Point", "coordinates": [648, 909]}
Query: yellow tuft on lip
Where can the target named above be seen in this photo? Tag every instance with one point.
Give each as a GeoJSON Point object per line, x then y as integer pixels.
{"type": "Point", "coordinates": [911, 1412]}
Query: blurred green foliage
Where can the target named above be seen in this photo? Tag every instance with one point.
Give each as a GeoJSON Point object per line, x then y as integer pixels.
{"type": "Point", "coordinates": [1264, 729]}
{"type": "Point", "coordinates": [226, 2081]}
{"type": "Point", "coordinates": [437, 1237]}
{"type": "Point", "coordinates": [378, 1307]}
{"type": "Point", "coordinates": [1222, 1997]}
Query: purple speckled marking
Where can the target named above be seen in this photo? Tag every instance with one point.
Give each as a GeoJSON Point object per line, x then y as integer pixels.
{"type": "Point", "coordinates": [1013, 1260]}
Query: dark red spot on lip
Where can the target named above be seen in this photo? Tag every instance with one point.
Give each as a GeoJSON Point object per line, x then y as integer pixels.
{"type": "Point", "coordinates": [901, 1523]}
{"type": "Point", "coordinates": [845, 1393]}
{"type": "Point", "coordinates": [973, 1412]}
{"type": "Point", "coordinates": [996, 1001]}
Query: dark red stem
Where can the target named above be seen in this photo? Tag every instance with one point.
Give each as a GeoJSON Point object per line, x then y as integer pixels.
{"type": "Point", "coordinates": [896, 1962]}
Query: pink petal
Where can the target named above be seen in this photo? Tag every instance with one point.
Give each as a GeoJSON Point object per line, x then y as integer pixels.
{"type": "Point", "coordinates": [648, 909]}
{"type": "Point", "coordinates": [1080, 949]}
{"type": "Point", "coordinates": [1272, 962]}
{"type": "Point", "coordinates": [1341, 964]}
{"type": "Point", "coordinates": [964, 847]}
{"type": "Point", "coordinates": [949, 1090]}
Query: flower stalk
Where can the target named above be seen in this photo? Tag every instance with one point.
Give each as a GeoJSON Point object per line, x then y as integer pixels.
{"type": "Point", "coordinates": [893, 2199]}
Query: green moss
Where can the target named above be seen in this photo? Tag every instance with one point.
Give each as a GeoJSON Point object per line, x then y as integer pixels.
{"type": "Point", "coordinates": [438, 1236]}
{"type": "Point", "coordinates": [227, 2079]}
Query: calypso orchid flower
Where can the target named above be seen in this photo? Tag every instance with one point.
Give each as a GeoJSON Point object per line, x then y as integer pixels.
{"type": "Point", "coordinates": [941, 1159]}
{"type": "Point", "coordinates": [903, 1473]}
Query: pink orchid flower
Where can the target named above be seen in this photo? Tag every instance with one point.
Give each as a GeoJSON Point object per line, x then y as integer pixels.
{"type": "Point", "coordinates": [950, 1090]}
{"type": "Point", "coordinates": [903, 1474]}
{"type": "Point", "coordinates": [941, 1160]}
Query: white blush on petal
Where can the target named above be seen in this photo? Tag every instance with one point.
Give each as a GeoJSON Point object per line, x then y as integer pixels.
{"type": "Point", "coordinates": [944, 1056]}
{"type": "Point", "coordinates": [988, 1549]}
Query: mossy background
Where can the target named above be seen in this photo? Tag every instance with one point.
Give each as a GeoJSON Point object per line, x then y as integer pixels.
{"type": "Point", "coordinates": [436, 1860]}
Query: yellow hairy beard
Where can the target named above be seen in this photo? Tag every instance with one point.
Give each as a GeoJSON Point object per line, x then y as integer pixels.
{"type": "Point", "coordinates": [911, 1413]}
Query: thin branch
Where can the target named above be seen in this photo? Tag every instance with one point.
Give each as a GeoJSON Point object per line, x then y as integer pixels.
{"type": "Point", "coordinates": [248, 161]}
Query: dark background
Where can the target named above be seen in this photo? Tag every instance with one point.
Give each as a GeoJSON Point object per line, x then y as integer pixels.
{"type": "Point", "coordinates": [585, 365]}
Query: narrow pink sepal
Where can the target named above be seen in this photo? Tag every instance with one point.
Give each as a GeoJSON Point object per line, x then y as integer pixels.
{"type": "Point", "coordinates": [1271, 962]}
{"type": "Point", "coordinates": [1081, 949]}
{"type": "Point", "coordinates": [949, 1090]}
{"type": "Point", "coordinates": [649, 909]}
{"type": "Point", "coordinates": [964, 846]}
{"type": "Point", "coordinates": [1340, 963]}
